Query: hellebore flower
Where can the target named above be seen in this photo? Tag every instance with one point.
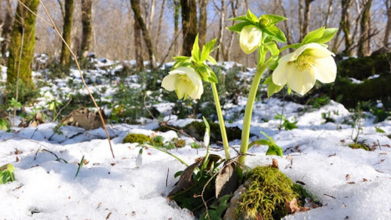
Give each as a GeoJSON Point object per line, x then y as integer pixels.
{"type": "Point", "coordinates": [185, 81]}
{"type": "Point", "coordinates": [250, 37]}
{"type": "Point", "coordinates": [301, 68]}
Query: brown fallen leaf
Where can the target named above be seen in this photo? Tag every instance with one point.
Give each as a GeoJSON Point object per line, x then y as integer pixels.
{"type": "Point", "coordinates": [364, 180]}
{"type": "Point", "coordinates": [351, 183]}
{"type": "Point", "coordinates": [347, 177]}
{"type": "Point", "coordinates": [275, 163]}
{"type": "Point", "coordinates": [292, 206]}
{"type": "Point", "coordinates": [227, 180]}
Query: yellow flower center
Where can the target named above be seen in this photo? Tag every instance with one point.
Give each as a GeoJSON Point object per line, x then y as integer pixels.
{"type": "Point", "coordinates": [184, 79]}
{"type": "Point", "coordinates": [304, 62]}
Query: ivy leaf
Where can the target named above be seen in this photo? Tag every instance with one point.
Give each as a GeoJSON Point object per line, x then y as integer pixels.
{"type": "Point", "coordinates": [313, 36]}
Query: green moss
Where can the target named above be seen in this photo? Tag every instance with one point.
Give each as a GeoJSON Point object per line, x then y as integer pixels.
{"type": "Point", "coordinates": [266, 195]}
{"type": "Point", "coordinates": [359, 146]}
{"type": "Point", "coordinates": [136, 138]}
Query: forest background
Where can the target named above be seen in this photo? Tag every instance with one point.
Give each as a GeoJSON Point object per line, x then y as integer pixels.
{"type": "Point", "coordinates": [364, 26]}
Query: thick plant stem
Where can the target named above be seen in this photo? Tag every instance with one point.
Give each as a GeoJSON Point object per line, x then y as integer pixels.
{"type": "Point", "coordinates": [248, 112]}
{"type": "Point", "coordinates": [221, 121]}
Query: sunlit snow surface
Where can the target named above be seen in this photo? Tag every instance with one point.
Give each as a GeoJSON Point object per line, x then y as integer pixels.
{"type": "Point", "coordinates": [351, 184]}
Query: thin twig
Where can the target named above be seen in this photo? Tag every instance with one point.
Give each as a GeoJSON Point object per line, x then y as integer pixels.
{"type": "Point", "coordinates": [78, 67]}
{"type": "Point", "coordinates": [59, 112]}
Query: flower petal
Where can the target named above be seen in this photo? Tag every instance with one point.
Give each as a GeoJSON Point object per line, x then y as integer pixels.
{"type": "Point", "coordinates": [326, 69]}
{"type": "Point", "coordinates": [301, 81]}
{"type": "Point", "coordinates": [250, 36]}
{"type": "Point", "coordinates": [169, 82]}
{"type": "Point", "coordinates": [280, 73]}
{"type": "Point", "coordinates": [317, 51]}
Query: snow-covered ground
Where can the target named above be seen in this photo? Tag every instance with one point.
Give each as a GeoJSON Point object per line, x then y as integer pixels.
{"type": "Point", "coordinates": [351, 184]}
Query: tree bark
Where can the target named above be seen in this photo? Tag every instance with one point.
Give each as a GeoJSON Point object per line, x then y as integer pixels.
{"type": "Point", "coordinates": [387, 31]}
{"type": "Point", "coordinates": [24, 26]}
{"type": "Point", "coordinates": [288, 33]}
{"type": "Point", "coordinates": [221, 31]}
{"type": "Point", "coordinates": [147, 38]}
{"type": "Point", "coordinates": [329, 11]}
{"type": "Point", "coordinates": [177, 7]}
{"type": "Point", "coordinates": [364, 41]}
{"type": "Point", "coordinates": [157, 38]}
{"type": "Point", "coordinates": [301, 27]}
{"type": "Point", "coordinates": [202, 24]}
{"type": "Point", "coordinates": [306, 20]}
{"type": "Point", "coordinates": [189, 25]}
{"type": "Point", "coordinates": [345, 26]}
{"type": "Point", "coordinates": [234, 8]}
{"type": "Point", "coordinates": [138, 40]}
{"type": "Point", "coordinates": [6, 33]}
{"type": "Point", "coordinates": [86, 15]}
{"type": "Point", "coordinates": [66, 33]}
{"type": "Point", "coordinates": [151, 16]}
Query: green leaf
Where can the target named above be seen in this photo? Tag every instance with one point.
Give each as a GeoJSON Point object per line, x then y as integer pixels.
{"type": "Point", "coordinates": [275, 33]}
{"type": "Point", "coordinates": [273, 19]}
{"type": "Point", "coordinates": [7, 173]}
{"type": "Point", "coordinates": [271, 87]}
{"type": "Point", "coordinates": [182, 58]}
{"type": "Point", "coordinates": [294, 46]}
{"type": "Point", "coordinates": [240, 18]}
{"type": "Point", "coordinates": [259, 142]}
{"type": "Point", "coordinates": [207, 132]}
{"type": "Point", "coordinates": [4, 125]}
{"type": "Point", "coordinates": [195, 53]}
{"type": "Point", "coordinates": [211, 59]}
{"type": "Point", "coordinates": [272, 47]}
{"type": "Point", "coordinates": [239, 26]}
{"type": "Point", "coordinates": [251, 17]}
{"type": "Point", "coordinates": [327, 35]}
{"type": "Point", "coordinates": [379, 130]}
{"type": "Point", "coordinates": [274, 150]}
{"type": "Point", "coordinates": [80, 166]}
{"type": "Point", "coordinates": [313, 36]}
{"type": "Point", "coordinates": [206, 49]}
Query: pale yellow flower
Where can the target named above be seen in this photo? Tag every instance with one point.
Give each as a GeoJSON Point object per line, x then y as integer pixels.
{"type": "Point", "coordinates": [185, 81]}
{"type": "Point", "coordinates": [301, 68]}
{"type": "Point", "coordinates": [250, 37]}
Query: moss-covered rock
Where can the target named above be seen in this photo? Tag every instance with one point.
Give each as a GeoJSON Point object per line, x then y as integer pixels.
{"type": "Point", "coordinates": [136, 138]}
{"type": "Point", "coordinates": [266, 195]}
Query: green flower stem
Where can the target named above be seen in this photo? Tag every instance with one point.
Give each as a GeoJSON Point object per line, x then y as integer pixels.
{"type": "Point", "coordinates": [249, 110]}
{"type": "Point", "coordinates": [221, 121]}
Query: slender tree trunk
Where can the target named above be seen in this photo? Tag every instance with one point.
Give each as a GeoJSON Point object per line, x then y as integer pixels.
{"type": "Point", "coordinates": [151, 16]}
{"type": "Point", "coordinates": [87, 26]}
{"type": "Point", "coordinates": [288, 34]}
{"type": "Point", "coordinates": [24, 26]}
{"type": "Point", "coordinates": [306, 20]}
{"type": "Point", "coordinates": [202, 25]}
{"type": "Point", "coordinates": [177, 8]}
{"type": "Point", "coordinates": [387, 31]}
{"type": "Point", "coordinates": [364, 41]}
{"type": "Point", "coordinates": [147, 38]}
{"type": "Point", "coordinates": [345, 26]}
{"type": "Point", "coordinates": [189, 25]}
{"type": "Point", "coordinates": [221, 31]}
{"type": "Point", "coordinates": [137, 39]}
{"type": "Point", "coordinates": [157, 38]}
{"type": "Point", "coordinates": [66, 33]}
{"type": "Point", "coordinates": [234, 8]}
{"type": "Point", "coordinates": [6, 33]}
{"type": "Point", "coordinates": [301, 27]}
{"type": "Point", "coordinates": [329, 11]}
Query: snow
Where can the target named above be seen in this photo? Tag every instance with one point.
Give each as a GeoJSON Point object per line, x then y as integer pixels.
{"type": "Point", "coordinates": [351, 184]}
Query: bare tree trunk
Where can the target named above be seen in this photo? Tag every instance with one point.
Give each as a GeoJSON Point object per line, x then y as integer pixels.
{"type": "Point", "coordinates": [387, 31]}
{"type": "Point", "coordinates": [221, 31]}
{"type": "Point", "coordinates": [364, 41]}
{"type": "Point", "coordinates": [147, 38]}
{"type": "Point", "coordinates": [329, 11]}
{"type": "Point", "coordinates": [189, 25]}
{"type": "Point", "coordinates": [301, 28]}
{"type": "Point", "coordinates": [138, 40]}
{"type": "Point", "coordinates": [306, 20]}
{"type": "Point", "coordinates": [234, 8]}
{"type": "Point", "coordinates": [157, 38]}
{"type": "Point", "coordinates": [6, 34]}
{"type": "Point", "coordinates": [23, 34]}
{"type": "Point", "coordinates": [344, 25]}
{"type": "Point", "coordinates": [202, 25]}
{"type": "Point", "coordinates": [288, 34]}
{"type": "Point", "coordinates": [177, 7]}
{"type": "Point", "coordinates": [66, 33]}
{"type": "Point", "coordinates": [151, 16]}
{"type": "Point", "coordinates": [87, 26]}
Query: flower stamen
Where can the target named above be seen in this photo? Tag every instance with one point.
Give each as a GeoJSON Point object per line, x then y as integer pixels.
{"type": "Point", "coordinates": [304, 62]}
